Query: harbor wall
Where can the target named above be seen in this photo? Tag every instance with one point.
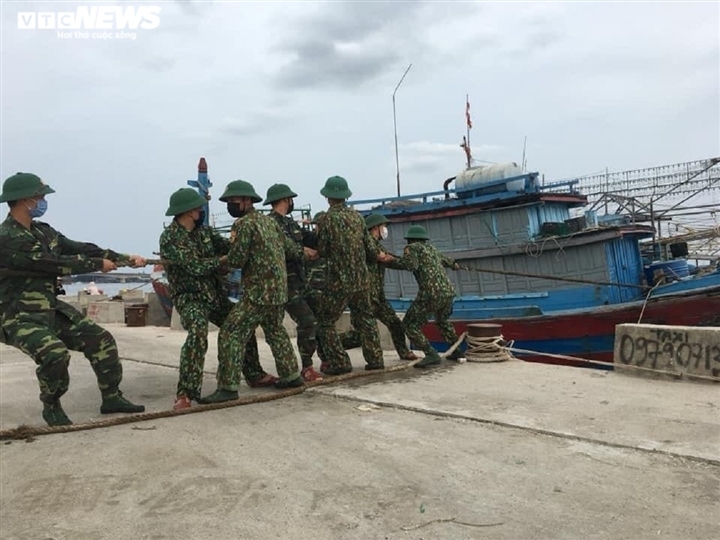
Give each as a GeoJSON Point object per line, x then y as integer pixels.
{"type": "Point", "coordinates": [691, 352]}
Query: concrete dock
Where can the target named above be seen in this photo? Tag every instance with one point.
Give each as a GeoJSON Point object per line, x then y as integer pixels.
{"type": "Point", "coordinates": [507, 451]}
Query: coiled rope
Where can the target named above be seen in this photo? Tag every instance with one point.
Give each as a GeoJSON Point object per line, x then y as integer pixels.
{"type": "Point", "coordinates": [488, 349]}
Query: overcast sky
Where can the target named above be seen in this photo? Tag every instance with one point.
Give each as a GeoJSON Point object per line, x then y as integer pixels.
{"type": "Point", "coordinates": [298, 92]}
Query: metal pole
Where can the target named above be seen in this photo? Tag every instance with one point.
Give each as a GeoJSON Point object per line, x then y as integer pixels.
{"type": "Point", "coordinates": [397, 159]}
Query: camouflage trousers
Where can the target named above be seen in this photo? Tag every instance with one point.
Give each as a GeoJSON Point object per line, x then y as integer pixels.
{"type": "Point", "coordinates": [239, 328]}
{"type": "Point", "coordinates": [330, 308]}
{"type": "Point", "coordinates": [312, 298]}
{"type": "Point", "coordinates": [48, 336]}
{"type": "Point", "coordinates": [195, 314]}
{"type": "Point", "coordinates": [301, 312]}
{"type": "Point", "coordinates": [420, 311]}
{"type": "Point", "coordinates": [386, 315]}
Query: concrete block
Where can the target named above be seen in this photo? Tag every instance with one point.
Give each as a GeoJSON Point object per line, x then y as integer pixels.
{"type": "Point", "coordinates": [85, 299]}
{"type": "Point", "coordinates": [106, 312]}
{"type": "Point", "coordinates": [156, 313]}
{"type": "Point", "coordinates": [175, 323]}
{"type": "Point", "coordinates": [681, 351]}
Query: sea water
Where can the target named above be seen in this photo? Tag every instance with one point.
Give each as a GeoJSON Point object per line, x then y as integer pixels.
{"type": "Point", "coordinates": [109, 289]}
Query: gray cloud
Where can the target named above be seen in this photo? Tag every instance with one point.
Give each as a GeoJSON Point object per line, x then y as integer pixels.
{"type": "Point", "coordinates": [348, 44]}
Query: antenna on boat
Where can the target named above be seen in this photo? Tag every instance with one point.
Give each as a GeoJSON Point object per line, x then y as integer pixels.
{"type": "Point", "coordinates": [466, 142]}
{"type": "Point", "coordinates": [524, 161]}
{"type": "Point", "coordinates": [203, 185]}
{"type": "Point", "coordinates": [397, 160]}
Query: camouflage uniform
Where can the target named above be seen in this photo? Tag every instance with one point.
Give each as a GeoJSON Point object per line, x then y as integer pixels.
{"type": "Point", "coordinates": [32, 318]}
{"type": "Point", "coordinates": [297, 305]}
{"type": "Point", "coordinates": [199, 293]}
{"type": "Point", "coordinates": [257, 248]}
{"type": "Point", "coordinates": [314, 285]}
{"type": "Point", "coordinates": [435, 295]}
{"type": "Point", "coordinates": [381, 308]}
{"type": "Point", "coordinates": [346, 244]}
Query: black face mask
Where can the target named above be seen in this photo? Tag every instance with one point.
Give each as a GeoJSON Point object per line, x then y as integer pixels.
{"type": "Point", "coordinates": [291, 207]}
{"type": "Point", "coordinates": [234, 210]}
{"type": "Point", "coordinates": [199, 222]}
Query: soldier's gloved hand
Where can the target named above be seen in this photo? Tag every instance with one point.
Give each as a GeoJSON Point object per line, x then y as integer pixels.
{"type": "Point", "coordinates": [108, 266]}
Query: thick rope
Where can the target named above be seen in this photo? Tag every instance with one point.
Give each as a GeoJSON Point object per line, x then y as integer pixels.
{"type": "Point", "coordinates": [487, 349]}
{"type": "Point", "coordinates": [614, 365]}
{"type": "Point", "coordinates": [24, 432]}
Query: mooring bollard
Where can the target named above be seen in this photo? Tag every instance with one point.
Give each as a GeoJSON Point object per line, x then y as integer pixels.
{"type": "Point", "coordinates": [485, 343]}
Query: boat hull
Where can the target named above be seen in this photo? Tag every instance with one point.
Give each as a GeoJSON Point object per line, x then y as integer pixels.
{"type": "Point", "coordinates": [589, 334]}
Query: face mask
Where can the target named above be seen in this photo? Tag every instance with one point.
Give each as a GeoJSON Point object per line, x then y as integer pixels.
{"type": "Point", "coordinates": [384, 233]}
{"type": "Point", "coordinates": [234, 210]}
{"type": "Point", "coordinates": [291, 207]}
{"type": "Point", "coordinates": [39, 209]}
{"type": "Point", "coordinates": [199, 222]}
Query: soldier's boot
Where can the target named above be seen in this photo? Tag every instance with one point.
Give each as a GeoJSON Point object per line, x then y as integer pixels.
{"type": "Point", "coordinates": [219, 396]}
{"type": "Point", "coordinates": [54, 415]}
{"type": "Point", "coordinates": [431, 359]}
{"type": "Point", "coordinates": [373, 367]}
{"type": "Point", "coordinates": [295, 383]}
{"type": "Point", "coordinates": [456, 355]}
{"type": "Point", "coordinates": [337, 370]}
{"type": "Point", "coordinates": [118, 404]}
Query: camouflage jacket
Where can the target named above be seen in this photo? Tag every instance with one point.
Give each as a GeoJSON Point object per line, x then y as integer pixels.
{"type": "Point", "coordinates": [377, 271]}
{"type": "Point", "coordinates": [258, 248]}
{"type": "Point", "coordinates": [31, 261]}
{"type": "Point", "coordinates": [426, 263]}
{"type": "Point", "coordinates": [346, 245]}
{"type": "Point", "coordinates": [294, 264]}
{"type": "Point", "coordinates": [193, 257]}
{"type": "Point", "coordinates": [315, 272]}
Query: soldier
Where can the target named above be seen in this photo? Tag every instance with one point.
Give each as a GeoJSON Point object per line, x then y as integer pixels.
{"type": "Point", "coordinates": [345, 243]}
{"type": "Point", "coordinates": [258, 248]}
{"type": "Point", "coordinates": [196, 261]}
{"type": "Point", "coordinates": [315, 284]}
{"type": "Point", "coordinates": [377, 226]}
{"type": "Point", "coordinates": [280, 196]}
{"type": "Point", "coordinates": [33, 320]}
{"type": "Point", "coordinates": [435, 294]}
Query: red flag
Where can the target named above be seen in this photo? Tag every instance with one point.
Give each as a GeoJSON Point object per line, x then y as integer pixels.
{"type": "Point", "coordinates": [467, 114]}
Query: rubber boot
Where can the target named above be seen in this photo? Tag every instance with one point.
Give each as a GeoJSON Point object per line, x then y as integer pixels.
{"type": "Point", "coordinates": [431, 359]}
{"type": "Point", "coordinates": [54, 415]}
{"type": "Point", "coordinates": [219, 396]}
{"type": "Point", "coordinates": [295, 383]}
{"type": "Point", "coordinates": [118, 404]}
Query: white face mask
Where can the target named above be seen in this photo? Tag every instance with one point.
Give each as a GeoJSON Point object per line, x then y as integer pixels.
{"type": "Point", "coordinates": [383, 233]}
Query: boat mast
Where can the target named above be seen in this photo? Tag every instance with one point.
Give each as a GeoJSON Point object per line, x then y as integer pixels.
{"type": "Point", "coordinates": [203, 185]}
{"type": "Point", "coordinates": [468, 122]}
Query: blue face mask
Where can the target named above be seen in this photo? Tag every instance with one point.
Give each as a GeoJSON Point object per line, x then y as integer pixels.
{"type": "Point", "coordinates": [40, 209]}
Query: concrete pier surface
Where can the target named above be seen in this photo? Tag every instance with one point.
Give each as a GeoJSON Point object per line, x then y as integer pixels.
{"type": "Point", "coordinates": [507, 451]}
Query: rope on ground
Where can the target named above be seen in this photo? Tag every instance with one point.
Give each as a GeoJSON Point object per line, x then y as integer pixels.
{"type": "Point", "coordinates": [25, 432]}
{"type": "Point", "coordinates": [454, 346]}
{"type": "Point", "coordinates": [615, 366]}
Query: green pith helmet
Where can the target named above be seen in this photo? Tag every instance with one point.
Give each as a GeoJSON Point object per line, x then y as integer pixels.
{"type": "Point", "coordinates": [317, 216]}
{"type": "Point", "coordinates": [277, 192]}
{"type": "Point", "coordinates": [183, 200]}
{"type": "Point", "coordinates": [416, 232]}
{"type": "Point", "coordinates": [336, 187]}
{"type": "Point", "coordinates": [23, 186]}
{"type": "Point", "coordinates": [240, 188]}
{"type": "Point", "coordinates": [375, 219]}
